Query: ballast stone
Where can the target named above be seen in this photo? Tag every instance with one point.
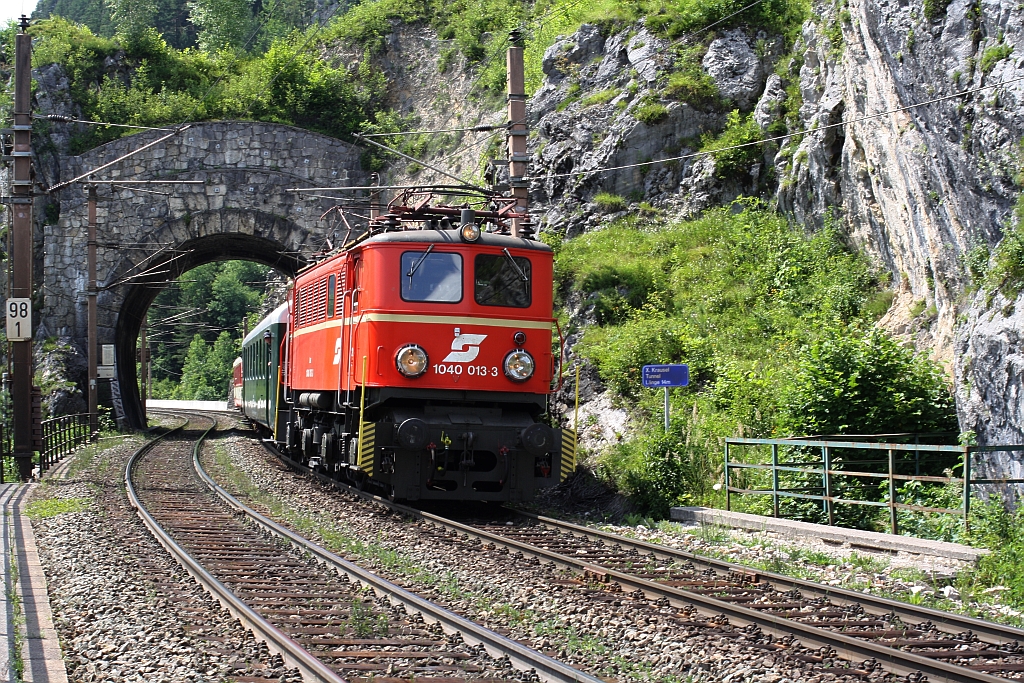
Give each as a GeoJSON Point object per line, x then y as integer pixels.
{"type": "Point", "coordinates": [868, 540]}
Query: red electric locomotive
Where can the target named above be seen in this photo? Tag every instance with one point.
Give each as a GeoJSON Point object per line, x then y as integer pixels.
{"type": "Point", "coordinates": [419, 360]}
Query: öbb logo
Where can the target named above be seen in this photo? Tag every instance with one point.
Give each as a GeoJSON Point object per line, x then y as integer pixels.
{"type": "Point", "coordinates": [460, 353]}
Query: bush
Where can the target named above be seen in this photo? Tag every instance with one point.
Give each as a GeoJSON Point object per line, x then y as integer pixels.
{"type": "Point", "coordinates": [739, 130]}
{"type": "Point", "coordinates": [848, 383]}
{"type": "Point", "coordinates": [658, 471]}
{"type": "Point", "coordinates": [161, 85]}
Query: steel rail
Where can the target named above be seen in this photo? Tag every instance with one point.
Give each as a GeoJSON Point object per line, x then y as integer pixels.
{"type": "Point", "coordinates": [852, 649]}
{"type": "Point", "coordinates": [521, 656]}
{"type": "Point", "coordinates": [988, 631]}
{"type": "Point", "coordinates": [277, 640]}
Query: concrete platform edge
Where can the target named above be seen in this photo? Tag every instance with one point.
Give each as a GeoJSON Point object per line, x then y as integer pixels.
{"type": "Point", "coordinates": [867, 540]}
{"type": "Point", "coordinates": [7, 616]}
{"type": "Point", "coordinates": [41, 652]}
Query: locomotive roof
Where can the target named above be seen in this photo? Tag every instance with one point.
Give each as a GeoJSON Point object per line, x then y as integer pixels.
{"type": "Point", "coordinates": [452, 237]}
{"type": "Point", "coordinates": [278, 316]}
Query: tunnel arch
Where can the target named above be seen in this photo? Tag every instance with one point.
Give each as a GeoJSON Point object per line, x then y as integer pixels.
{"type": "Point", "coordinates": [243, 208]}
{"type": "Point", "coordinates": [140, 294]}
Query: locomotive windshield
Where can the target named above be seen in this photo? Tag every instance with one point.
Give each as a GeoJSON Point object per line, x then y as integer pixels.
{"type": "Point", "coordinates": [502, 280]}
{"type": "Point", "coordinates": [431, 276]}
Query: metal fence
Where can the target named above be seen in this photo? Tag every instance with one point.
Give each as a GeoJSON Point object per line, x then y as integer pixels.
{"type": "Point", "coordinates": [826, 460]}
{"type": "Point", "coordinates": [57, 438]}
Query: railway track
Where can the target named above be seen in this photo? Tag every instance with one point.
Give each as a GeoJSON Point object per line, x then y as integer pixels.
{"type": "Point", "coordinates": [336, 625]}
{"type": "Point", "coordinates": [870, 632]}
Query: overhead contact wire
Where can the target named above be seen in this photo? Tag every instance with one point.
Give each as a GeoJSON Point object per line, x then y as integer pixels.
{"type": "Point", "coordinates": [776, 137]}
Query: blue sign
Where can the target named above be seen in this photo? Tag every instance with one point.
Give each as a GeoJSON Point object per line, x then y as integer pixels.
{"type": "Point", "coordinates": [675, 375]}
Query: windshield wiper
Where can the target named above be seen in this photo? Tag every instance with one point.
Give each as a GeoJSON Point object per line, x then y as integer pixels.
{"type": "Point", "coordinates": [412, 271]}
{"type": "Point", "coordinates": [515, 266]}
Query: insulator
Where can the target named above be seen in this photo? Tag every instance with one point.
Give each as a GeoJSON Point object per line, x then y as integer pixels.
{"type": "Point", "coordinates": [527, 229]}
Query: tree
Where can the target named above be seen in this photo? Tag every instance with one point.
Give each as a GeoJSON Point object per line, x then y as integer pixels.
{"type": "Point", "coordinates": [205, 374]}
{"type": "Point", "coordinates": [133, 19]}
{"type": "Point", "coordinates": [222, 24]}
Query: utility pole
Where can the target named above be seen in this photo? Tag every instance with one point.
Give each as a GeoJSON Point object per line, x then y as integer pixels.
{"type": "Point", "coordinates": [21, 249]}
{"type": "Point", "coordinates": [144, 374]}
{"type": "Point", "coordinates": [94, 416]}
{"type": "Point", "coordinates": [517, 156]}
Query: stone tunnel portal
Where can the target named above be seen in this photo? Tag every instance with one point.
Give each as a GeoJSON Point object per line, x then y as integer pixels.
{"type": "Point", "coordinates": [141, 293]}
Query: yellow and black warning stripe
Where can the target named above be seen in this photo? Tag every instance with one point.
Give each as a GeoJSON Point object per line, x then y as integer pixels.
{"type": "Point", "coordinates": [367, 442]}
{"type": "Point", "coordinates": [567, 463]}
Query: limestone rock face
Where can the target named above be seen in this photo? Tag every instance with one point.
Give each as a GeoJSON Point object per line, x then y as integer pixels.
{"type": "Point", "coordinates": [770, 105]}
{"type": "Point", "coordinates": [990, 380]}
{"type": "Point", "coordinates": [61, 367]}
{"type": "Point", "coordinates": [735, 68]}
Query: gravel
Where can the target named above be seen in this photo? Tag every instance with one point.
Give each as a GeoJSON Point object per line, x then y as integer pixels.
{"type": "Point", "coordinates": [626, 637]}
{"type": "Point", "coordinates": [124, 611]}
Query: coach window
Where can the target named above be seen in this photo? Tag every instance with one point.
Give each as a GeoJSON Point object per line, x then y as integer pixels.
{"type": "Point", "coordinates": [332, 283]}
{"type": "Point", "coordinates": [431, 276]}
{"type": "Point", "coordinates": [502, 280]}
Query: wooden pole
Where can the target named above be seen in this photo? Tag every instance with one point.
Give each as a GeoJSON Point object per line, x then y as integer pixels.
{"type": "Point", "coordinates": [144, 367]}
{"type": "Point", "coordinates": [21, 250]}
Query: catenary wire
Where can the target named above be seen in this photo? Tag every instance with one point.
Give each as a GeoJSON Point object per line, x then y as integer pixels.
{"type": "Point", "coordinates": [776, 137]}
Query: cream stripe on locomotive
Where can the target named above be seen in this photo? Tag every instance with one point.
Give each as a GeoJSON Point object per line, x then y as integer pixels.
{"type": "Point", "coordinates": [433, 319]}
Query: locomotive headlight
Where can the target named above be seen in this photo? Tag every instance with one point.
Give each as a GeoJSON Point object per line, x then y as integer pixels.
{"type": "Point", "coordinates": [519, 366]}
{"type": "Point", "coordinates": [411, 360]}
{"type": "Point", "coordinates": [470, 232]}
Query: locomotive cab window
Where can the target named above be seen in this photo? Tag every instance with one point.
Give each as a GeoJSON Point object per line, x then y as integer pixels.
{"type": "Point", "coordinates": [502, 280]}
{"type": "Point", "coordinates": [431, 276]}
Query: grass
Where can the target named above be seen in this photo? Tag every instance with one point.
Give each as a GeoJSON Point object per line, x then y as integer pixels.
{"type": "Point", "coordinates": [52, 507]}
{"type": "Point", "coordinates": [17, 662]}
{"type": "Point", "coordinates": [610, 203]}
{"type": "Point", "coordinates": [601, 97]}
{"type": "Point", "coordinates": [649, 113]}
{"type": "Point", "coordinates": [993, 55]}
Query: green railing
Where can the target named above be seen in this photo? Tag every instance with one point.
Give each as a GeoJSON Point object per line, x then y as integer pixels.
{"type": "Point", "coordinates": [826, 460]}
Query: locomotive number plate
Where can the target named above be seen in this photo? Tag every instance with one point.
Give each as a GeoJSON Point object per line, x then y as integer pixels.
{"type": "Point", "coordinates": [471, 370]}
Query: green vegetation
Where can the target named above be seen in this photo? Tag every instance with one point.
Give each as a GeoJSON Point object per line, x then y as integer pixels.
{"type": "Point", "coordinates": [739, 130]}
{"type": "Point", "coordinates": [649, 111]}
{"type": "Point", "coordinates": [51, 507]}
{"type": "Point", "coordinates": [868, 384]}
{"type": "Point", "coordinates": [994, 54]}
{"type": "Point", "coordinates": [688, 81]}
{"type": "Point", "coordinates": [160, 85]}
{"type": "Point", "coordinates": [935, 9]}
{"type": "Point", "coordinates": [610, 203]}
{"type": "Point", "coordinates": [601, 97]}
{"type": "Point", "coordinates": [749, 302]}
{"type": "Point", "coordinates": [1006, 273]}
{"type": "Point", "coordinates": [195, 327]}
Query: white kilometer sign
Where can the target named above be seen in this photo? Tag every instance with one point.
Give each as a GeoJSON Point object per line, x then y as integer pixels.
{"type": "Point", "coordinates": [19, 319]}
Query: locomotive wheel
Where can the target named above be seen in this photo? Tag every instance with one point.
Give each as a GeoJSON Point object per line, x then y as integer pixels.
{"type": "Point", "coordinates": [308, 449]}
{"type": "Point", "coordinates": [327, 447]}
